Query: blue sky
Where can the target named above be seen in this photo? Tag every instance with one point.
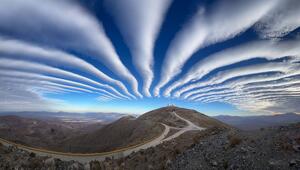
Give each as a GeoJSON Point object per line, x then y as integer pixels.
{"type": "Point", "coordinates": [131, 56]}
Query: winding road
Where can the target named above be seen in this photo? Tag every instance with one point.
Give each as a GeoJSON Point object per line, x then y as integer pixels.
{"type": "Point", "coordinates": [85, 158]}
{"type": "Point", "coordinates": [190, 126]}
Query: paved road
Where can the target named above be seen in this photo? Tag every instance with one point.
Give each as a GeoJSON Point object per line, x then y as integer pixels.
{"type": "Point", "coordinates": [85, 158]}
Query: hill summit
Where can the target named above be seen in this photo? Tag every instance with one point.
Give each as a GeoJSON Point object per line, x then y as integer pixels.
{"type": "Point", "coordinates": [128, 131]}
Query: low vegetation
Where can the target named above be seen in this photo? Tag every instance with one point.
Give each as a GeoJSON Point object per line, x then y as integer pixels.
{"type": "Point", "coordinates": [234, 140]}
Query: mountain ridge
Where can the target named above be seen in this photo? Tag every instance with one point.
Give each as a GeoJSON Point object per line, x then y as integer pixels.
{"type": "Point", "coordinates": [257, 122]}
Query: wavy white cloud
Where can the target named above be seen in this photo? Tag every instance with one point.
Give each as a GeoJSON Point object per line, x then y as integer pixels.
{"type": "Point", "coordinates": [15, 48]}
{"type": "Point", "coordinates": [36, 67]}
{"type": "Point", "coordinates": [227, 20]}
{"type": "Point", "coordinates": [258, 49]}
{"type": "Point", "coordinates": [64, 25]}
{"type": "Point", "coordinates": [281, 20]}
{"type": "Point", "coordinates": [140, 22]}
{"type": "Point", "coordinates": [222, 76]}
{"type": "Point", "coordinates": [34, 76]}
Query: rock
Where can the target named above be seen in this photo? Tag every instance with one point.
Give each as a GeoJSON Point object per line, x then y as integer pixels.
{"type": "Point", "coordinates": [214, 163]}
{"type": "Point", "coordinates": [49, 162]}
{"type": "Point", "coordinates": [296, 148]}
{"type": "Point", "coordinates": [292, 163]}
{"type": "Point", "coordinates": [274, 163]}
{"type": "Point", "coordinates": [86, 167]}
{"type": "Point", "coordinates": [243, 150]}
{"type": "Point", "coordinates": [75, 166]}
{"type": "Point", "coordinates": [150, 167]}
{"type": "Point", "coordinates": [168, 162]}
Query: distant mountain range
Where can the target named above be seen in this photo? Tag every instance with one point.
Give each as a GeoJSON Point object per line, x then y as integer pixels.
{"type": "Point", "coordinates": [257, 122]}
{"type": "Point", "coordinates": [241, 122]}
{"type": "Point", "coordinates": [89, 117]}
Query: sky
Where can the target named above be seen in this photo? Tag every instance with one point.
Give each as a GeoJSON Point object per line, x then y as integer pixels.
{"type": "Point", "coordinates": [219, 57]}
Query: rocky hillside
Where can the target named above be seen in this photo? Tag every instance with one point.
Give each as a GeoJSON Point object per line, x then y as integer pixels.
{"type": "Point", "coordinates": [161, 156]}
{"type": "Point", "coordinates": [129, 130]}
{"type": "Point", "coordinates": [217, 147]}
{"type": "Point", "coordinates": [14, 158]}
{"type": "Point", "coordinates": [272, 148]}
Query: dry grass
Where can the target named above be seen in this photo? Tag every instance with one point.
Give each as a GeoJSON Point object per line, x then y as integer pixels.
{"type": "Point", "coordinates": [95, 165]}
{"type": "Point", "coordinates": [234, 140]}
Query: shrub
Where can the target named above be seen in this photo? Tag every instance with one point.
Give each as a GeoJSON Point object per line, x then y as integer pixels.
{"type": "Point", "coordinates": [32, 154]}
{"type": "Point", "coordinates": [177, 151]}
{"type": "Point", "coordinates": [225, 164]}
{"type": "Point", "coordinates": [234, 140]}
{"type": "Point", "coordinates": [95, 165]}
{"type": "Point", "coordinates": [35, 164]}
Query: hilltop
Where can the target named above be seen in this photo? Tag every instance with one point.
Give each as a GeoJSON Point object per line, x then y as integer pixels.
{"type": "Point", "coordinates": [178, 128]}
{"type": "Point", "coordinates": [126, 131]}
{"type": "Point", "coordinates": [163, 115]}
{"type": "Point", "coordinates": [129, 130]}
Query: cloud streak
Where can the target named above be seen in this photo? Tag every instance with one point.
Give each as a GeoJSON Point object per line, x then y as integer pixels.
{"type": "Point", "coordinates": [139, 23]}
{"type": "Point", "coordinates": [207, 28]}
{"type": "Point", "coordinates": [36, 67]}
{"type": "Point", "coordinates": [15, 48]}
{"type": "Point", "coordinates": [58, 47]}
{"type": "Point", "coordinates": [34, 76]}
{"type": "Point", "coordinates": [258, 49]}
{"type": "Point", "coordinates": [280, 21]}
{"type": "Point", "coordinates": [51, 20]}
{"type": "Point", "coordinates": [221, 77]}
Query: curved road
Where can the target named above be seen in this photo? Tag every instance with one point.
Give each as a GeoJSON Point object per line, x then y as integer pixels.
{"type": "Point", "coordinates": [85, 158]}
{"type": "Point", "coordinates": [190, 126]}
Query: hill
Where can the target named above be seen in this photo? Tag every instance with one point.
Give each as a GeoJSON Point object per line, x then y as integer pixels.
{"type": "Point", "coordinates": [41, 133]}
{"type": "Point", "coordinates": [124, 132]}
{"type": "Point", "coordinates": [129, 131]}
{"type": "Point", "coordinates": [74, 137]}
{"type": "Point", "coordinates": [257, 122]}
{"type": "Point", "coordinates": [269, 148]}
{"type": "Point", "coordinates": [183, 133]}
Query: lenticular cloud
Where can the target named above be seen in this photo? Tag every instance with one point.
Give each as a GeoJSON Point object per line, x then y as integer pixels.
{"type": "Point", "coordinates": [59, 47]}
{"type": "Point", "coordinates": [139, 22]}
{"type": "Point", "coordinates": [207, 28]}
{"type": "Point", "coordinates": [64, 25]}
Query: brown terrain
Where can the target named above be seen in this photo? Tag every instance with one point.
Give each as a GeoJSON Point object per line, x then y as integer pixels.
{"type": "Point", "coordinates": [41, 133]}
{"type": "Point", "coordinates": [217, 147]}
{"type": "Point", "coordinates": [81, 138]}
{"type": "Point", "coordinates": [129, 131]}
{"type": "Point", "coordinates": [124, 132]}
